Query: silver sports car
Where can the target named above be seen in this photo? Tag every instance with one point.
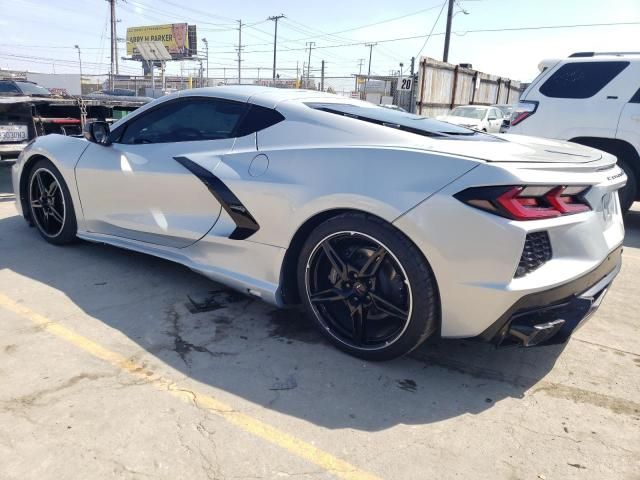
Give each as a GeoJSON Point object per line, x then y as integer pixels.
{"type": "Point", "coordinates": [388, 227]}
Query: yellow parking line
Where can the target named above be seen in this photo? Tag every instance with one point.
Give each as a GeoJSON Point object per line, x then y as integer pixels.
{"type": "Point", "coordinates": [288, 442]}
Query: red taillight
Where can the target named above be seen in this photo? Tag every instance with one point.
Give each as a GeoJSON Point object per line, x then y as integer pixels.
{"type": "Point", "coordinates": [527, 202]}
{"type": "Point", "coordinates": [565, 201]}
{"type": "Point", "coordinates": [524, 208]}
{"type": "Point", "coordinates": [523, 110]}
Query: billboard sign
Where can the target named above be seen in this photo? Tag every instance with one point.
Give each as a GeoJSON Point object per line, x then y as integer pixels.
{"type": "Point", "coordinates": [174, 36]}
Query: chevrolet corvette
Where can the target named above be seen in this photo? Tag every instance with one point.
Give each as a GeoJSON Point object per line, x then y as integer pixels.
{"type": "Point", "coordinates": [387, 227]}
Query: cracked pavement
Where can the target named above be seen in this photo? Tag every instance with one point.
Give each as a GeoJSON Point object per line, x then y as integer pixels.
{"type": "Point", "coordinates": [452, 409]}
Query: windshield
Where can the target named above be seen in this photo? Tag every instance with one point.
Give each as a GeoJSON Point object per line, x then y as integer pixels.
{"type": "Point", "coordinates": [8, 88]}
{"type": "Point", "coordinates": [469, 112]}
{"type": "Point", "coordinates": [393, 119]}
{"type": "Point", "coordinates": [32, 89]}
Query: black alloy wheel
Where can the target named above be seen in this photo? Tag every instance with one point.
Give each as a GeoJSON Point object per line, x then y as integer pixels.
{"type": "Point", "coordinates": [50, 206]}
{"type": "Point", "coordinates": [359, 291]}
{"type": "Point", "coordinates": [361, 294]}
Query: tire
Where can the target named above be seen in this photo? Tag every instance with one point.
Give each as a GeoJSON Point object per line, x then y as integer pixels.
{"type": "Point", "coordinates": [629, 192]}
{"type": "Point", "coordinates": [367, 288]}
{"type": "Point", "coordinates": [50, 205]}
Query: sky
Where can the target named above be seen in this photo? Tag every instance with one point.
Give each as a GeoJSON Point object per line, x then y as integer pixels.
{"type": "Point", "coordinates": [39, 35]}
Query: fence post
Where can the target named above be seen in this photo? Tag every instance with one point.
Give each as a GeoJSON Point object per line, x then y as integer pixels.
{"type": "Point", "coordinates": [454, 86]}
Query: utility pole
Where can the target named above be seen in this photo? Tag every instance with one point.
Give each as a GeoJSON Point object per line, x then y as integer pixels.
{"type": "Point", "coordinates": [447, 37]}
{"type": "Point", "coordinates": [310, 45]}
{"type": "Point", "coordinates": [370, 45]}
{"type": "Point", "coordinates": [114, 43]}
{"type": "Point", "coordinates": [275, 18]}
{"type": "Point", "coordinates": [206, 49]}
{"type": "Point", "coordinates": [322, 77]}
{"type": "Point", "coordinates": [80, 60]}
{"type": "Point", "coordinates": [239, 50]}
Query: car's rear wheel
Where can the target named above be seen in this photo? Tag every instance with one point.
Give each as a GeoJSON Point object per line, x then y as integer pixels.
{"type": "Point", "coordinates": [367, 287]}
{"type": "Point", "coordinates": [50, 205]}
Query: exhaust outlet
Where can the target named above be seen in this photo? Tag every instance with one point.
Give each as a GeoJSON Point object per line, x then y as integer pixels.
{"type": "Point", "coordinates": [531, 335]}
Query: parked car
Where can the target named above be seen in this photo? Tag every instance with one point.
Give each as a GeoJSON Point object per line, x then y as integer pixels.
{"type": "Point", "coordinates": [22, 88]}
{"type": "Point", "coordinates": [592, 99]}
{"type": "Point", "coordinates": [388, 227]}
{"type": "Point", "coordinates": [485, 119]}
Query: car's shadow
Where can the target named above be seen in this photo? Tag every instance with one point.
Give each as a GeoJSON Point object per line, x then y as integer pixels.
{"type": "Point", "coordinates": [270, 357]}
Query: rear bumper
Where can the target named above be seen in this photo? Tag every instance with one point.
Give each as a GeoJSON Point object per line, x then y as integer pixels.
{"type": "Point", "coordinates": [551, 316]}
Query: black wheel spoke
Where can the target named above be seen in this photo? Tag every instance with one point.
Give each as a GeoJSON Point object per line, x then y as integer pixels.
{"type": "Point", "coordinates": [387, 307]}
{"type": "Point", "coordinates": [373, 263]}
{"type": "Point", "coordinates": [338, 264]}
{"type": "Point", "coordinates": [53, 188]}
{"type": "Point", "coordinates": [55, 214]}
{"type": "Point", "coordinates": [358, 319]}
{"type": "Point", "coordinates": [329, 295]}
{"type": "Point", "coordinates": [41, 188]}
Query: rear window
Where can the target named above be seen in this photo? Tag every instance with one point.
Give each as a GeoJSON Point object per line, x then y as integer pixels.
{"type": "Point", "coordinates": [581, 79]}
{"type": "Point", "coordinates": [405, 121]}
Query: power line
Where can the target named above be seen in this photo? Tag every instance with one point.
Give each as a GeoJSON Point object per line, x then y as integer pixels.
{"type": "Point", "coordinates": [432, 28]}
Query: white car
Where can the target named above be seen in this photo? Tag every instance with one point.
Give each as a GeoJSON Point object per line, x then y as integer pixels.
{"type": "Point", "coordinates": [592, 99]}
{"type": "Point", "coordinates": [388, 227]}
{"type": "Point", "coordinates": [481, 118]}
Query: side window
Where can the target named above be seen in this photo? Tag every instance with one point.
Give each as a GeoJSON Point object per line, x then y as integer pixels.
{"type": "Point", "coordinates": [185, 120]}
{"type": "Point", "coordinates": [258, 118]}
{"type": "Point", "coordinates": [636, 97]}
{"type": "Point", "coordinates": [581, 79]}
{"type": "Point", "coordinates": [494, 112]}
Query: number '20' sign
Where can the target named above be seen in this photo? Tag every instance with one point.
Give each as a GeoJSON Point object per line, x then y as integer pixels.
{"type": "Point", "coordinates": [404, 83]}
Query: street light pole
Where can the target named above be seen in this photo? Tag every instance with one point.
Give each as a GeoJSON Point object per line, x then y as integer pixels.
{"type": "Point", "coordinates": [80, 60]}
{"type": "Point", "coordinates": [275, 18]}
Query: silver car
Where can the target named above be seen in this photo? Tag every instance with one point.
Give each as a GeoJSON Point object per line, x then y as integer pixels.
{"type": "Point", "coordinates": [386, 226]}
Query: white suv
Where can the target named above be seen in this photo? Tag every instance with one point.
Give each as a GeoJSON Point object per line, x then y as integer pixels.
{"type": "Point", "coordinates": [592, 99]}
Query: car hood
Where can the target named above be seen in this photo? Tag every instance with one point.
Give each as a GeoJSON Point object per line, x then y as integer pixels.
{"type": "Point", "coordinates": [517, 148]}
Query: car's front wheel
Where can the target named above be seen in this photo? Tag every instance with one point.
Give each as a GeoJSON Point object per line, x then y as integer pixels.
{"type": "Point", "coordinates": [367, 287]}
{"type": "Point", "coordinates": [50, 206]}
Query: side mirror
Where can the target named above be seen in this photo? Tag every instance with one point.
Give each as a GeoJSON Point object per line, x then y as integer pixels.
{"type": "Point", "coordinates": [98, 132]}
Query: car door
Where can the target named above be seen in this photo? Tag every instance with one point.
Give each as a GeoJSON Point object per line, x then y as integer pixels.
{"type": "Point", "coordinates": [137, 187]}
{"type": "Point", "coordinates": [629, 123]}
{"type": "Point", "coordinates": [494, 120]}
